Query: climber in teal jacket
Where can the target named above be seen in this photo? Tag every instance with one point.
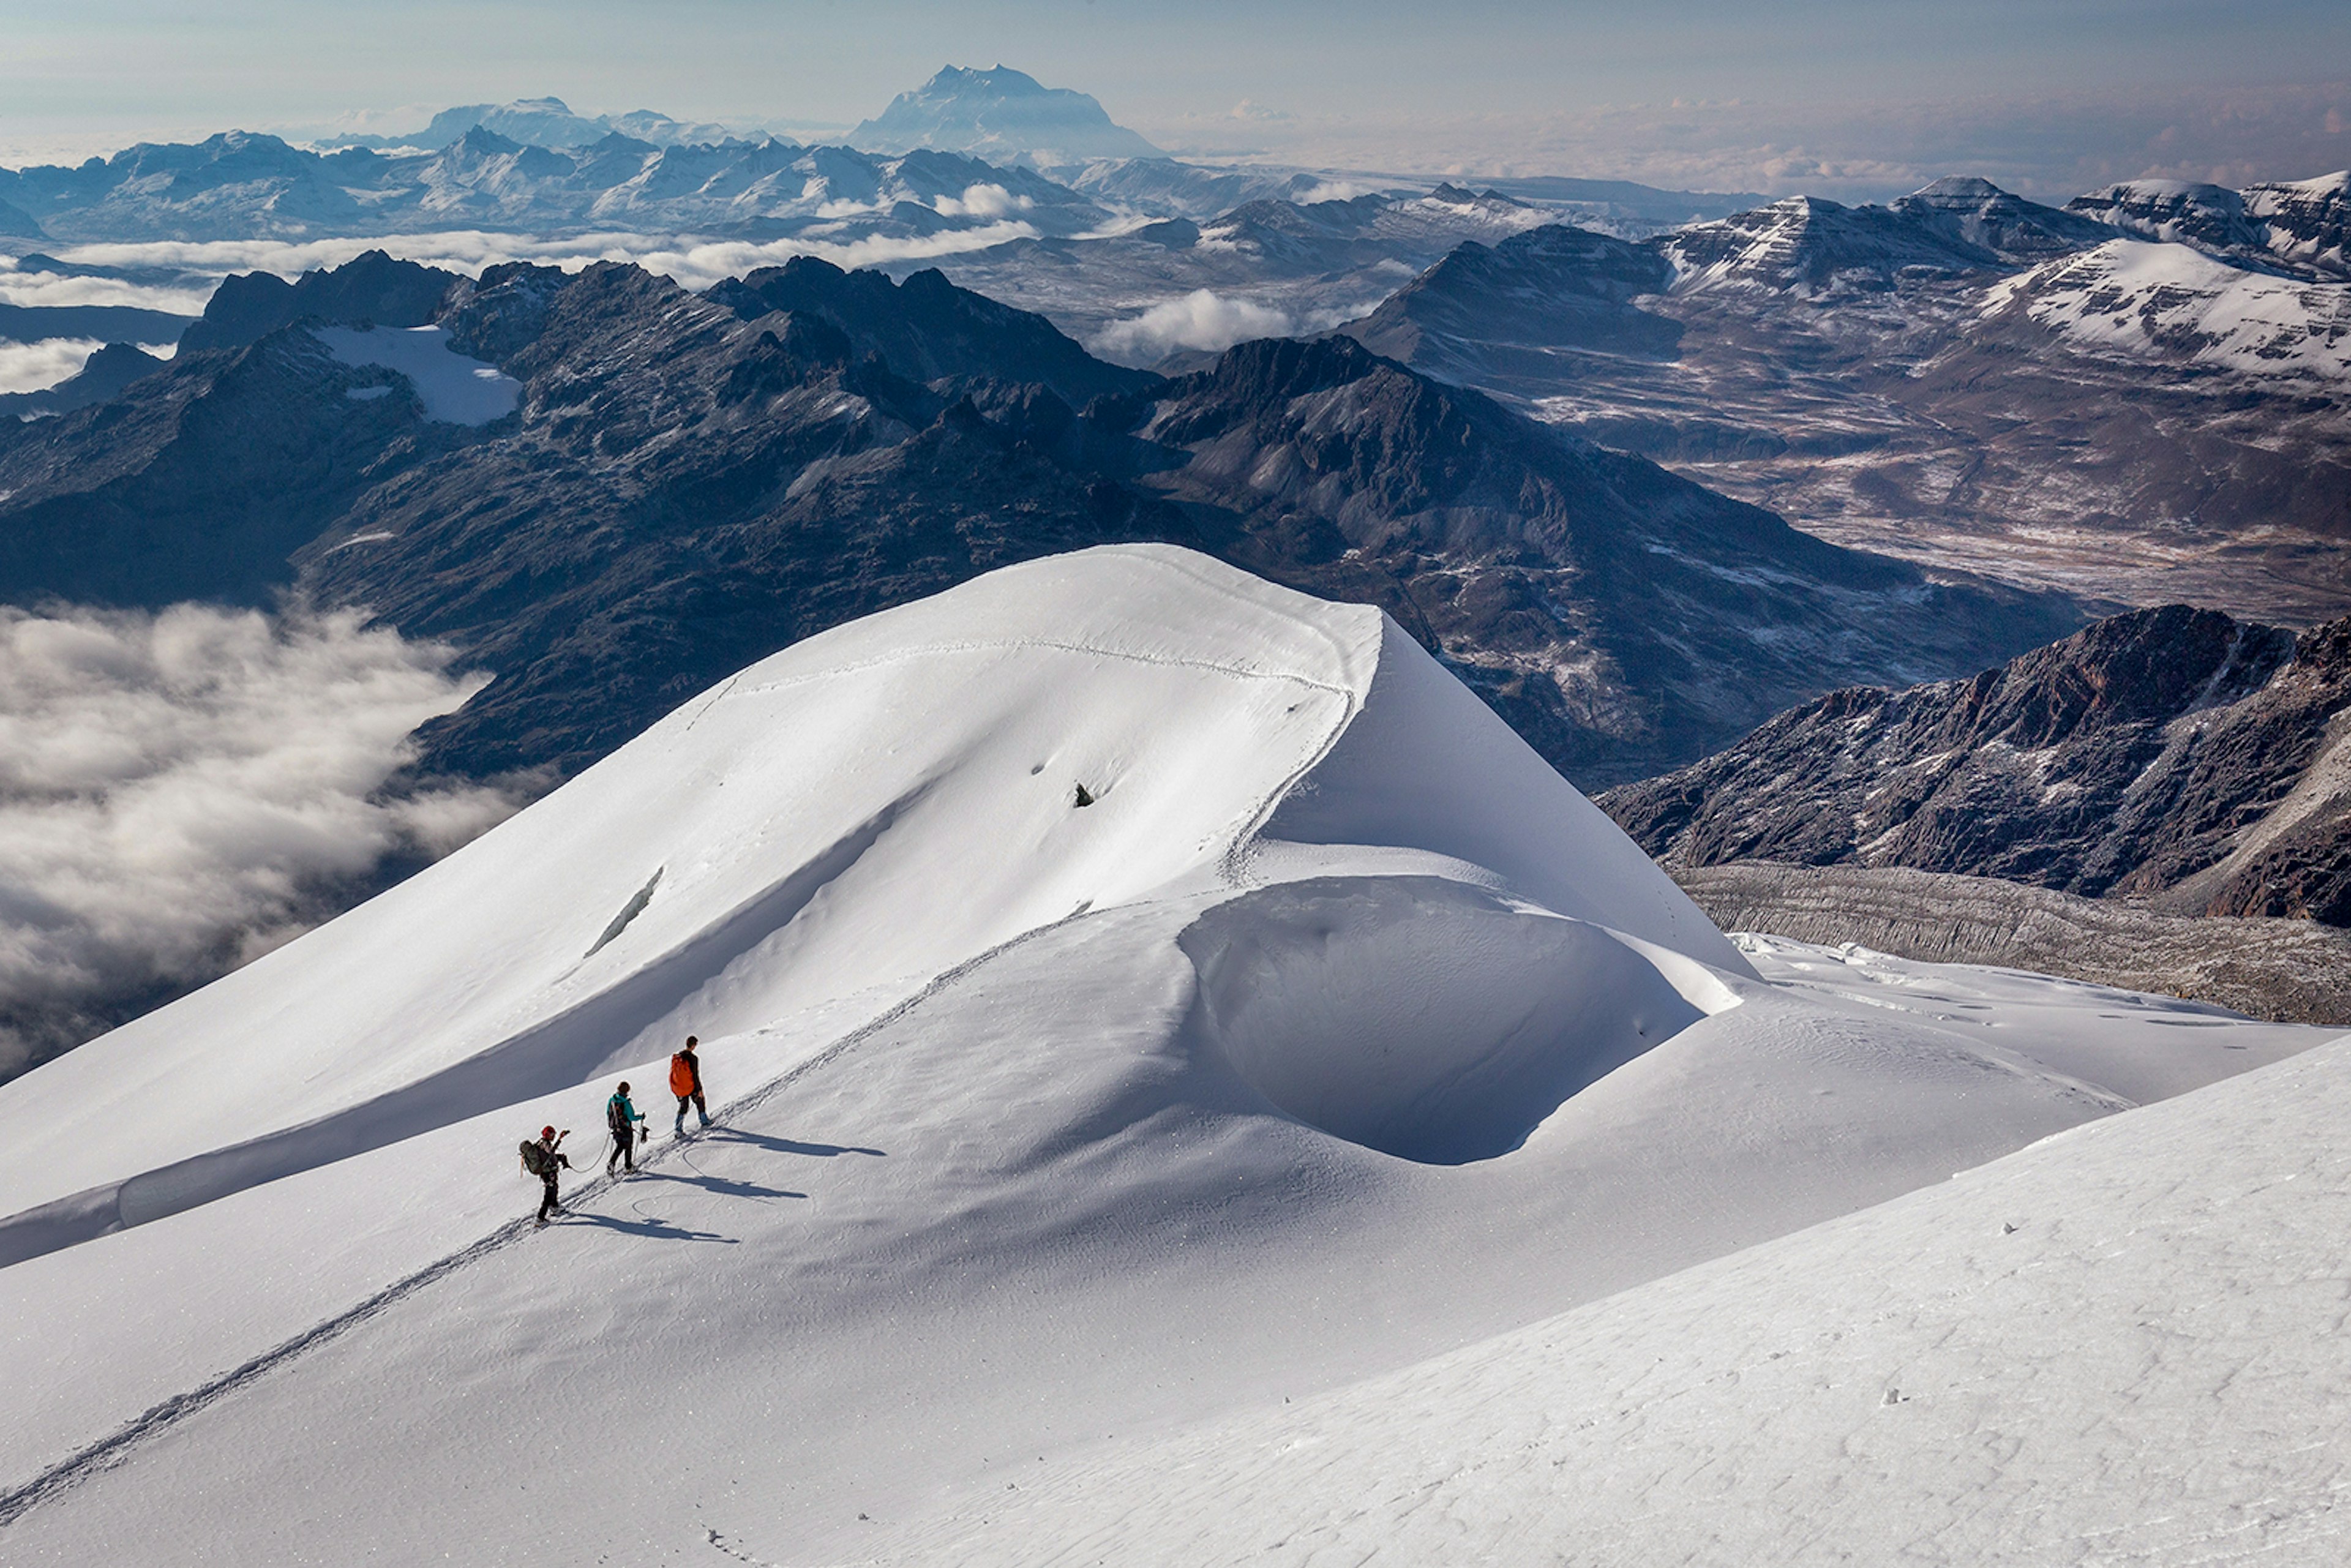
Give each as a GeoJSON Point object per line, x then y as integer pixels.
{"type": "Point", "coordinates": [628, 1125]}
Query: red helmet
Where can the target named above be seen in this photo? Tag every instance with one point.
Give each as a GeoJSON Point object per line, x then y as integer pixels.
{"type": "Point", "coordinates": [547, 1131]}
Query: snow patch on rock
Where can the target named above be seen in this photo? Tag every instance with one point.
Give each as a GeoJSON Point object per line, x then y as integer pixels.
{"type": "Point", "coordinates": [451, 387]}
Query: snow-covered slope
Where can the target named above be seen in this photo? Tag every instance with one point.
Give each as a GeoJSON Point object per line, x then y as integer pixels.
{"type": "Point", "coordinates": [1132, 994]}
{"type": "Point", "coordinates": [2299, 223]}
{"type": "Point", "coordinates": [451, 386]}
{"type": "Point", "coordinates": [2137, 299]}
{"type": "Point", "coordinates": [1813, 245]}
{"type": "Point", "coordinates": [2122, 1345]}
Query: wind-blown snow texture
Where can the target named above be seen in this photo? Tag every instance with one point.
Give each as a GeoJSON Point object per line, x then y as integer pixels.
{"type": "Point", "coordinates": [1132, 994]}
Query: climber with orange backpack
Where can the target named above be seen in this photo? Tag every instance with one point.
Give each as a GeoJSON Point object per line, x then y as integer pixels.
{"type": "Point", "coordinates": [685, 1082]}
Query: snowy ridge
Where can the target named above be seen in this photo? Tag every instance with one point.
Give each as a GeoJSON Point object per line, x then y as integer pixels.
{"type": "Point", "coordinates": [2297, 224]}
{"type": "Point", "coordinates": [378, 1055]}
{"type": "Point", "coordinates": [1325, 1032]}
{"type": "Point", "coordinates": [2136, 299]}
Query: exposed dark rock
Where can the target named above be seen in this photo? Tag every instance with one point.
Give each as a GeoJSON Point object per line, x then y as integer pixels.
{"type": "Point", "coordinates": [108, 323]}
{"type": "Point", "coordinates": [2171, 755]}
{"type": "Point", "coordinates": [102, 376]}
{"type": "Point", "coordinates": [372, 290]}
{"type": "Point", "coordinates": [926, 327]}
{"type": "Point", "coordinates": [1899, 378]}
{"type": "Point", "coordinates": [1517, 306]}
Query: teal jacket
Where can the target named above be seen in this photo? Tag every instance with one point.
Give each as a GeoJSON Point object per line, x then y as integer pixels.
{"type": "Point", "coordinates": [619, 1113]}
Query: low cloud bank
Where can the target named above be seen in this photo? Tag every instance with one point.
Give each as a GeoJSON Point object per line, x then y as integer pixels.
{"type": "Point", "coordinates": [1202, 320]}
{"type": "Point", "coordinates": [1209, 322]}
{"type": "Point", "coordinates": [179, 275]}
{"type": "Point", "coordinates": [182, 792]}
{"type": "Point", "coordinates": [30, 367]}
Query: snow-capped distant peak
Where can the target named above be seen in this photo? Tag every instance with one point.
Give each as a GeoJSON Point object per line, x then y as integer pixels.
{"type": "Point", "coordinates": [2300, 223]}
{"type": "Point", "coordinates": [2143, 300]}
{"type": "Point", "coordinates": [1003, 115]}
{"type": "Point", "coordinates": [1958, 188]}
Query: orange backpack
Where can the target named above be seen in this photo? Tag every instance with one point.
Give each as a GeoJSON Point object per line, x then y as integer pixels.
{"type": "Point", "coordinates": [683, 1079]}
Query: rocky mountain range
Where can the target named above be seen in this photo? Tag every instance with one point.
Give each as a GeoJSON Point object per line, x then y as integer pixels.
{"type": "Point", "coordinates": [2293, 225]}
{"type": "Point", "coordinates": [240, 185]}
{"type": "Point", "coordinates": [1961, 377]}
{"type": "Point", "coordinates": [1289, 265]}
{"type": "Point", "coordinates": [688, 481]}
{"type": "Point", "coordinates": [2171, 757]}
{"type": "Point", "coordinates": [546, 122]}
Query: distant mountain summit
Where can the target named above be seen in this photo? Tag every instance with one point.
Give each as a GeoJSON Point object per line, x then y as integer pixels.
{"type": "Point", "coordinates": [1003, 115]}
{"type": "Point", "coordinates": [546, 122]}
{"type": "Point", "coordinates": [1953, 226]}
{"type": "Point", "coordinates": [2299, 224]}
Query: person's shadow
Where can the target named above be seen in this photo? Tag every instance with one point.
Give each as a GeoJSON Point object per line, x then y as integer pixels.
{"type": "Point", "coordinates": [788, 1146]}
{"type": "Point", "coordinates": [721, 1186]}
{"type": "Point", "coordinates": [652, 1229]}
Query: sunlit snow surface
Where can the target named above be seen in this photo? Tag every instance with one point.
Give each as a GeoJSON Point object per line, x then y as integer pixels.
{"type": "Point", "coordinates": [2145, 300]}
{"type": "Point", "coordinates": [1334, 1034]}
{"type": "Point", "coordinates": [451, 387]}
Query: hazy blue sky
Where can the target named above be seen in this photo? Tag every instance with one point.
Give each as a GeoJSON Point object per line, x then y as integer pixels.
{"type": "Point", "coordinates": [1832, 95]}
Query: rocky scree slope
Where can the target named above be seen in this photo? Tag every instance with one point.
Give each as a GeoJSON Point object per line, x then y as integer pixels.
{"type": "Point", "coordinates": [2288, 971]}
{"type": "Point", "coordinates": [2170, 756]}
{"type": "Point", "coordinates": [688, 482]}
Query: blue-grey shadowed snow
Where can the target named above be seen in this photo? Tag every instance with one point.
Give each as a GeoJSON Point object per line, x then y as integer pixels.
{"type": "Point", "coordinates": [451, 386]}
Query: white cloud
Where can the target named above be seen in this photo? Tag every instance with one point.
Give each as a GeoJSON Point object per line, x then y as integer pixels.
{"type": "Point", "coordinates": [180, 296]}
{"type": "Point", "coordinates": [181, 791]}
{"type": "Point", "coordinates": [987, 201]}
{"type": "Point", "coordinates": [694, 264]}
{"type": "Point", "coordinates": [1201, 320]}
{"type": "Point", "coordinates": [1332, 191]}
{"type": "Point", "coordinates": [29, 367]}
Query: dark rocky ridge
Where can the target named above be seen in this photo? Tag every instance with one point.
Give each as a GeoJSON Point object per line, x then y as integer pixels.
{"type": "Point", "coordinates": [1515, 307]}
{"type": "Point", "coordinates": [2172, 755]}
{"type": "Point", "coordinates": [103, 376]}
{"type": "Point", "coordinates": [690, 482]}
{"type": "Point", "coordinates": [1613, 613]}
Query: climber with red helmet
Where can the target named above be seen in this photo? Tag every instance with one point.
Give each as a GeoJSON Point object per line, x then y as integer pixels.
{"type": "Point", "coordinates": [543, 1157]}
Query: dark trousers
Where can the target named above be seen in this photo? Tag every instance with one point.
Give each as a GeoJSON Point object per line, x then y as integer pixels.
{"type": "Point", "coordinates": [547, 1204]}
{"type": "Point", "coordinates": [624, 1147]}
{"type": "Point", "coordinates": [693, 1099]}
